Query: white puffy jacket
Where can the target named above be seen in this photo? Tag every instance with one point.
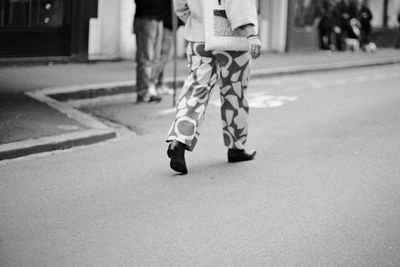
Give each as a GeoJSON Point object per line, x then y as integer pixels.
{"type": "Point", "coordinates": [239, 13]}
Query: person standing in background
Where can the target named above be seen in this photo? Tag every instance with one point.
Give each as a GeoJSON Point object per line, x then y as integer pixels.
{"type": "Point", "coordinates": [166, 48]}
{"type": "Point", "coordinates": [148, 29]}
{"type": "Point", "coordinates": [365, 15]}
{"type": "Point", "coordinates": [326, 26]}
{"type": "Point", "coordinates": [398, 35]}
{"type": "Point", "coordinates": [342, 16]}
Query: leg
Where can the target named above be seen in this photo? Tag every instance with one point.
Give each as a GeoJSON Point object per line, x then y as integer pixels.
{"type": "Point", "coordinates": [166, 48]}
{"type": "Point", "coordinates": [148, 45]}
{"type": "Point", "coordinates": [160, 80]}
{"type": "Point", "coordinates": [194, 97]}
{"type": "Point", "coordinates": [322, 39]}
{"type": "Point", "coordinates": [235, 74]}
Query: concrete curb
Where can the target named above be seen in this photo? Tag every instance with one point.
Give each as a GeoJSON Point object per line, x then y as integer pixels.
{"type": "Point", "coordinates": [100, 132]}
{"type": "Point", "coordinates": [64, 94]}
{"type": "Point", "coordinates": [46, 144]}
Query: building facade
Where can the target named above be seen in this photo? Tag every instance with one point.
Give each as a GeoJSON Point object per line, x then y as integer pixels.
{"type": "Point", "coordinates": [273, 24]}
{"type": "Point", "coordinates": [111, 32]}
{"type": "Point", "coordinates": [98, 29]}
{"type": "Point", "coordinates": [102, 29]}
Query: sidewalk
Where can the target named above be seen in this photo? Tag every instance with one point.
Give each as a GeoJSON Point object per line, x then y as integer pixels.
{"type": "Point", "coordinates": [46, 123]}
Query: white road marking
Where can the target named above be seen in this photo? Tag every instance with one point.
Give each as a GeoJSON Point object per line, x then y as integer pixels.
{"type": "Point", "coordinates": [262, 100]}
{"type": "Point", "coordinates": [288, 98]}
{"type": "Point", "coordinates": [167, 111]}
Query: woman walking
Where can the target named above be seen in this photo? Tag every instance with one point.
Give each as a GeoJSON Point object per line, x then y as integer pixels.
{"type": "Point", "coordinates": [230, 69]}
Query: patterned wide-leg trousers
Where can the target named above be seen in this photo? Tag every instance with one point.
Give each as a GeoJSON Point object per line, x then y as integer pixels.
{"type": "Point", "coordinates": [207, 68]}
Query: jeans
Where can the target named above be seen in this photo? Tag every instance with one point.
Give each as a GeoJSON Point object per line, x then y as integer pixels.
{"type": "Point", "coordinates": [397, 45]}
{"type": "Point", "coordinates": [148, 41]}
{"type": "Point", "coordinates": [166, 48]}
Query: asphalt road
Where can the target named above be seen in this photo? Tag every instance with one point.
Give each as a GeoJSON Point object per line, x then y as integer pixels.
{"type": "Point", "coordinates": [323, 190]}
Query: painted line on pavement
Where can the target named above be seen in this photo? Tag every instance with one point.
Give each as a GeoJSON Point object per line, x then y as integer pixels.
{"type": "Point", "coordinates": [167, 111]}
{"type": "Point", "coordinates": [262, 100]}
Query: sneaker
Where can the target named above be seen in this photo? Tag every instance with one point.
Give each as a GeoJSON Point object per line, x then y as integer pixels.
{"type": "Point", "coordinates": [152, 89]}
{"type": "Point", "coordinates": [164, 90]}
{"type": "Point", "coordinates": [176, 152]}
{"type": "Point", "coordinates": [151, 96]}
{"type": "Point", "coordinates": [154, 98]}
{"type": "Point", "coordinates": [148, 99]}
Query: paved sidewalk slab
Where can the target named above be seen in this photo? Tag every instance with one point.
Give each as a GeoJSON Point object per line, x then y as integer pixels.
{"type": "Point", "coordinates": [23, 118]}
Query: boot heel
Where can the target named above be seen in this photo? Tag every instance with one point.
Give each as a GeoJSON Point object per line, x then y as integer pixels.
{"type": "Point", "coordinates": [176, 152]}
{"type": "Point", "coordinates": [170, 153]}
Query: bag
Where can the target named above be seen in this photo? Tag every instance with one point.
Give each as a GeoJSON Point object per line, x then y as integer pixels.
{"type": "Point", "coordinates": [219, 34]}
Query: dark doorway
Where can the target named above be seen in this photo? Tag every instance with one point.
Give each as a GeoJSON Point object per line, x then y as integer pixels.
{"type": "Point", "coordinates": [35, 28]}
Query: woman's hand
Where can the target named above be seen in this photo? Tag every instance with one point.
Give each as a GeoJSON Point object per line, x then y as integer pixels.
{"type": "Point", "coordinates": [254, 46]}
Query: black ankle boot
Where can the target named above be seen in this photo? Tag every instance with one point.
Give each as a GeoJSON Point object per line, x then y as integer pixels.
{"type": "Point", "coordinates": [237, 155]}
{"type": "Point", "coordinates": [176, 152]}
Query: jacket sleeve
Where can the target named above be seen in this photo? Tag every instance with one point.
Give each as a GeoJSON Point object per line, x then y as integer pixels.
{"type": "Point", "coordinates": [241, 12]}
{"type": "Point", "coordinates": [182, 9]}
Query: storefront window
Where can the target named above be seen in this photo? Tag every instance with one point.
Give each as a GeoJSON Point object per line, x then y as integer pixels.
{"type": "Point", "coordinates": [31, 13]}
{"type": "Point", "coordinates": [18, 12]}
{"type": "Point", "coordinates": [306, 12]}
{"type": "Point", "coordinates": [1, 13]}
